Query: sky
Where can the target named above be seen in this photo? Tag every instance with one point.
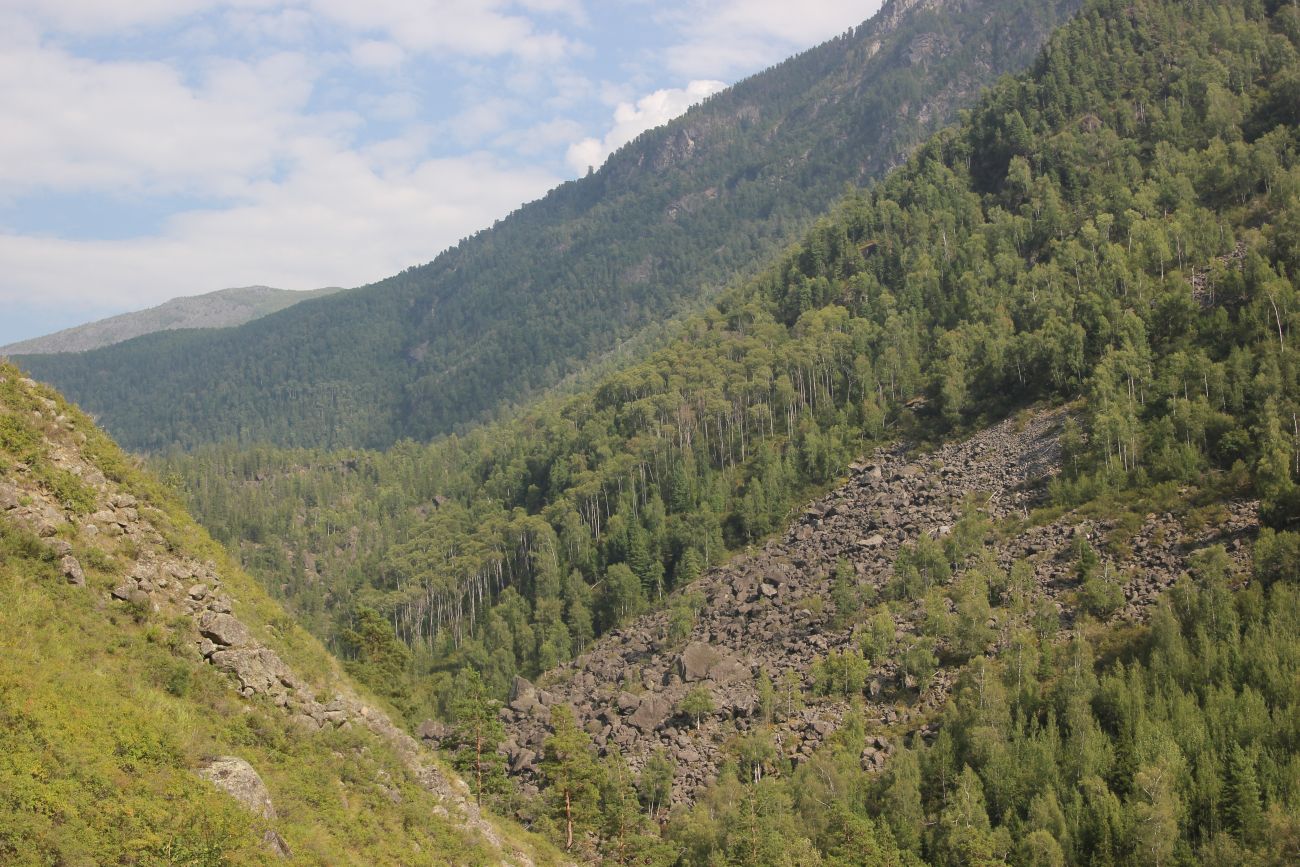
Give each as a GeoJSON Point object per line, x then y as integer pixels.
{"type": "Point", "coordinates": [159, 148]}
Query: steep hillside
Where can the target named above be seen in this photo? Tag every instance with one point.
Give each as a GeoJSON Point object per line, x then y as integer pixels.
{"type": "Point", "coordinates": [1061, 243]}
{"type": "Point", "coordinates": [224, 308]}
{"type": "Point", "coordinates": [562, 280]}
{"type": "Point", "coordinates": [156, 708]}
{"type": "Point", "coordinates": [1114, 233]}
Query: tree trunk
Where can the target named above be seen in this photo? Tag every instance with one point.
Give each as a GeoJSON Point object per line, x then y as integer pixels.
{"type": "Point", "coordinates": [568, 822]}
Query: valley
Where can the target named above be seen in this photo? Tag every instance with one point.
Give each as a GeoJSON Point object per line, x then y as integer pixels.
{"type": "Point", "coordinates": [963, 530]}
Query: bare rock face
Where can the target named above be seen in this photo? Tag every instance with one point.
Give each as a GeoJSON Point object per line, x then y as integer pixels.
{"type": "Point", "coordinates": [701, 661]}
{"type": "Point", "coordinates": [650, 713]}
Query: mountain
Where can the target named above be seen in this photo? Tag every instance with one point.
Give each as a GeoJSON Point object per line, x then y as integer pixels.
{"type": "Point", "coordinates": [1050, 618]}
{"type": "Point", "coordinates": [224, 308]}
{"type": "Point", "coordinates": [157, 708]}
{"type": "Point", "coordinates": [511, 310]}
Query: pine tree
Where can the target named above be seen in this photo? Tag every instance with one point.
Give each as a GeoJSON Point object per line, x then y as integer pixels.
{"type": "Point", "coordinates": [1244, 813]}
{"type": "Point", "coordinates": [479, 733]}
{"type": "Point", "coordinates": [571, 774]}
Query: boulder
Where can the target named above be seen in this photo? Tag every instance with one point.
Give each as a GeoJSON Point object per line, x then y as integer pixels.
{"type": "Point", "coordinates": [696, 660]}
{"type": "Point", "coordinates": [71, 569]}
{"type": "Point", "coordinates": [650, 713]}
{"type": "Point", "coordinates": [60, 547]}
{"type": "Point", "coordinates": [259, 670]}
{"type": "Point", "coordinates": [132, 595]}
{"type": "Point", "coordinates": [523, 759]}
{"type": "Point", "coordinates": [224, 630]}
{"type": "Point", "coordinates": [523, 695]}
{"type": "Point", "coordinates": [432, 730]}
{"type": "Point", "coordinates": [237, 778]}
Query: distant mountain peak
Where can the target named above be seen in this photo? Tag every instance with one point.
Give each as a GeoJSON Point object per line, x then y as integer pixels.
{"type": "Point", "coordinates": [224, 308]}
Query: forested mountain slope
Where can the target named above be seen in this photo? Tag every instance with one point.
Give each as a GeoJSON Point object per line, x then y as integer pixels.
{"type": "Point", "coordinates": [562, 280]}
{"type": "Point", "coordinates": [1116, 229]}
{"type": "Point", "coordinates": [157, 708]}
{"type": "Point", "coordinates": [224, 308]}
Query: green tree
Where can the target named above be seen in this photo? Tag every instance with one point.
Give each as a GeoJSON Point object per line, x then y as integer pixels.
{"type": "Point", "coordinates": [571, 774]}
{"type": "Point", "coordinates": [697, 703]}
{"type": "Point", "coordinates": [655, 785]}
{"type": "Point", "coordinates": [479, 733]}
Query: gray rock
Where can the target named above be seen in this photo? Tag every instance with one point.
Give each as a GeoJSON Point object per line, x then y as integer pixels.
{"type": "Point", "coordinates": [523, 759]}
{"type": "Point", "coordinates": [695, 662]}
{"type": "Point", "coordinates": [60, 547]}
{"type": "Point", "coordinates": [72, 571]}
{"type": "Point", "coordinates": [523, 695]}
{"type": "Point", "coordinates": [237, 778]}
{"type": "Point", "coordinates": [132, 595]}
{"type": "Point", "coordinates": [277, 844]}
{"type": "Point", "coordinates": [259, 669]}
{"type": "Point", "coordinates": [432, 730]}
{"type": "Point", "coordinates": [224, 629]}
{"type": "Point", "coordinates": [650, 713]}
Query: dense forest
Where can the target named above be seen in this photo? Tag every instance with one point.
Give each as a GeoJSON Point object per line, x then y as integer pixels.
{"type": "Point", "coordinates": [1118, 227]}
{"type": "Point", "coordinates": [1066, 240]}
{"type": "Point", "coordinates": [563, 281]}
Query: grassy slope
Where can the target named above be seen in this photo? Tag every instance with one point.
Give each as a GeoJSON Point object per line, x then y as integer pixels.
{"type": "Point", "coordinates": [105, 712]}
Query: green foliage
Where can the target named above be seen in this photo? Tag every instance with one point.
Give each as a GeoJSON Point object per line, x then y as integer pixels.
{"type": "Point", "coordinates": [572, 777]}
{"type": "Point", "coordinates": [1116, 226]}
{"type": "Point", "coordinates": [697, 703]}
{"type": "Point", "coordinates": [1133, 257]}
{"type": "Point", "coordinates": [566, 279]}
{"type": "Point", "coordinates": [842, 673]}
{"type": "Point", "coordinates": [102, 726]}
{"type": "Point", "coordinates": [655, 785]}
{"type": "Point", "coordinates": [479, 734]}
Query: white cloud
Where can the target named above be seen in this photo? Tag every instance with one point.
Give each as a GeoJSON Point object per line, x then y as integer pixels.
{"type": "Point", "coordinates": [378, 54]}
{"type": "Point", "coordinates": [723, 39]}
{"type": "Point", "coordinates": [464, 27]}
{"type": "Point", "coordinates": [77, 124]}
{"type": "Point", "coordinates": [336, 221]}
{"type": "Point", "coordinates": [631, 120]}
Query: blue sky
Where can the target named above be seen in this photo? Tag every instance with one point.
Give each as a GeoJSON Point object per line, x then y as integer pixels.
{"type": "Point", "coordinates": [156, 148]}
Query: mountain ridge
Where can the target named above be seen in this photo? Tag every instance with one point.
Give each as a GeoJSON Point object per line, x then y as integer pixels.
{"type": "Point", "coordinates": [223, 308]}
{"type": "Point", "coordinates": [515, 308]}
